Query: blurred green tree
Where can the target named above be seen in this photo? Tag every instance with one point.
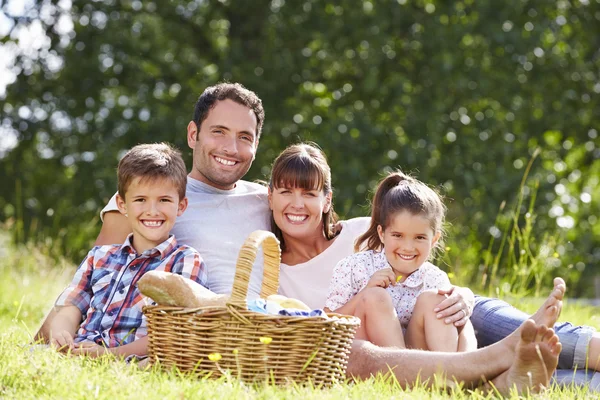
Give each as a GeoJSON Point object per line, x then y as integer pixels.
{"type": "Point", "coordinates": [461, 93]}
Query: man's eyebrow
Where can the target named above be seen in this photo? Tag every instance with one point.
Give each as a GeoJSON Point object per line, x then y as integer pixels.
{"type": "Point", "coordinates": [220, 127]}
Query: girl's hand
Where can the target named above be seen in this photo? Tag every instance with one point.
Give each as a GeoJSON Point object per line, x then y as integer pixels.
{"type": "Point", "coordinates": [457, 307]}
{"type": "Point", "coordinates": [382, 278]}
{"type": "Point", "coordinates": [89, 349]}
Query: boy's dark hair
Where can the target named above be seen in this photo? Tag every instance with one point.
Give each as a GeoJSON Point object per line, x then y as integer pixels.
{"type": "Point", "coordinates": [149, 162]}
{"type": "Point", "coordinates": [228, 91]}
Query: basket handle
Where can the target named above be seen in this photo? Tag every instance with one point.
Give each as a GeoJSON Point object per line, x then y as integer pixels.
{"type": "Point", "coordinates": [243, 268]}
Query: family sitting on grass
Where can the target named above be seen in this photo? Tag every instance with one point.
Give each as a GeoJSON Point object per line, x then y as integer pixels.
{"type": "Point", "coordinates": [413, 322]}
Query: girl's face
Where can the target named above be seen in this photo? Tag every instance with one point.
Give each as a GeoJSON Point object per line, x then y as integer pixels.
{"type": "Point", "coordinates": [407, 241]}
{"type": "Point", "coordinates": [299, 212]}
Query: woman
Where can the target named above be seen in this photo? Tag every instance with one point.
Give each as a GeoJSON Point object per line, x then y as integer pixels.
{"type": "Point", "coordinates": [313, 241]}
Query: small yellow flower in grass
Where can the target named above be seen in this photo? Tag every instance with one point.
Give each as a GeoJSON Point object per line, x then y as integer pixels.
{"type": "Point", "coordinates": [451, 275]}
{"type": "Point", "coordinates": [266, 339]}
{"type": "Point", "coordinates": [214, 357]}
{"type": "Point", "coordinates": [448, 248]}
{"type": "Point", "coordinates": [398, 278]}
{"type": "Point", "coordinates": [556, 255]}
{"type": "Point", "coordinates": [235, 351]}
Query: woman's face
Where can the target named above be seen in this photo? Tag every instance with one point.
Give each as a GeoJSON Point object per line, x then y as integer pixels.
{"type": "Point", "coordinates": [299, 212]}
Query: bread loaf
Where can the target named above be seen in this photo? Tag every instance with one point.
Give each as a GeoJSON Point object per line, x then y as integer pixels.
{"type": "Point", "coordinates": [169, 289]}
{"type": "Point", "coordinates": [288, 302]}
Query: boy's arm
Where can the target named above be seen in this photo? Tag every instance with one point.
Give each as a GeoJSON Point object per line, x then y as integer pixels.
{"type": "Point", "coordinates": [115, 229]}
{"type": "Point", "coordinates": [138, 347]}
{"type": "Point", "coordinates": [64, 326]}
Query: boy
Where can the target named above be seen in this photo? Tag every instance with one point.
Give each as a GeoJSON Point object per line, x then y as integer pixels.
{"type": "Point", "coordinates": [151, 194]}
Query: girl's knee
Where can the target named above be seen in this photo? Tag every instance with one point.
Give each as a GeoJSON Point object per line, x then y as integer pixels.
{"type": "Point", "coordinates": [376, 296]}
{"type": "Point", "coordinates": [429, 299]}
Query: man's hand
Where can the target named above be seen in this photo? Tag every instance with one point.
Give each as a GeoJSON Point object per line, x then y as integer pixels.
{"type": "Point", "coordinates": [89, 349]}
{"type": "Point", "coordinates": [382, 278]}
{"type": "Point", "coordinates": [457, 307]}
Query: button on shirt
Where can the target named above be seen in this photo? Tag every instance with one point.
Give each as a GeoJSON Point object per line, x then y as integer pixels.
{"type": "Point", "coordinates": [352, 274]}
{"type": "Point", "coordinates": [105, 289]}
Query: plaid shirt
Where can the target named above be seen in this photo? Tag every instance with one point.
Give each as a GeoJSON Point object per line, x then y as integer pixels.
{"type": "Point", "coordinates": [104, 288]}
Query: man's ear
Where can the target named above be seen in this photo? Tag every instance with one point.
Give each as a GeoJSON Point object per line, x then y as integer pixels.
{"type": "Point", "coordinates": [121, 205]}
{"type": "Point", "coordinates": [192, 134]}
{"type": "Point", "coordinates": [380, 232]}
{"type": "Point", "coordinates": [183, 203]}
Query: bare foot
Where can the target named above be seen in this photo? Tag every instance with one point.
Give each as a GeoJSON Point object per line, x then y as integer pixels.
{"type": "Point", "coordinates": [536, 357]}
{"type": "Point", "coordinates": [550, 310]}
{"type": "Point", "coordinates": [547, 314]}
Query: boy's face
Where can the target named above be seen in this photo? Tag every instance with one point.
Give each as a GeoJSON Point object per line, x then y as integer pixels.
{"type": "Point", "coordinates": [225, 146]}
{"type": "Point", "coordinates": [151, 206]}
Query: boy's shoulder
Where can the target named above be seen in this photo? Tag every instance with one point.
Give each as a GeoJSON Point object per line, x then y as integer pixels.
{"type": "Point", "coordinates": [104, 250]}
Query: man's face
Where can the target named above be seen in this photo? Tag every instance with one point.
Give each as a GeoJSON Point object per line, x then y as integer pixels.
{"type": "Point", "coordinates": [225, 146]}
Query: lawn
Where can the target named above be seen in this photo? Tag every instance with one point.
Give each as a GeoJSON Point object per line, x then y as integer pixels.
{"type": "Point", "coordinates": [30, 281]}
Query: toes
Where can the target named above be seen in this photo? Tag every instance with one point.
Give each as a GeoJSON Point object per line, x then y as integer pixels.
{"type": "Point", "coordinates": [528, 331]}
{"type": "Point", "coordinates": [548, 335]}
{"type": "Point", "coordinates": [557, 348]}
{"type": "Point", "coordinates": [541, 332]}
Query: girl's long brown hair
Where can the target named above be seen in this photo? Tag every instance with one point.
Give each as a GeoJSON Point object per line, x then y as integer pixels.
{"type": "Point", "coordinates": [399, 192]}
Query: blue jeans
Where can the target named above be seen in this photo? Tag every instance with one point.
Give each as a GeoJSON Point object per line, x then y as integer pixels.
{"type": "Point", "coordinates": [494, 319]}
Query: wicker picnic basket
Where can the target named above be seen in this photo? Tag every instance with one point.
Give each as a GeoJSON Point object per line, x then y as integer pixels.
{"type": "Point", "coordinates": [209, 341]}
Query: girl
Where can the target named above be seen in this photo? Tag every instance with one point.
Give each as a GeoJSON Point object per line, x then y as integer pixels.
{"type": "Point", "coordinates": [391, 286]}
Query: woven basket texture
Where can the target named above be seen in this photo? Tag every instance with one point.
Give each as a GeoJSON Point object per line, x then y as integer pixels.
{"type": "Point", "coordinates": [209, 341]}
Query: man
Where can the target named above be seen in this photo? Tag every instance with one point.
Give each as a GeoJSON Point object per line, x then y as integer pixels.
{"type": "Point", "coordinates": [223, 210]}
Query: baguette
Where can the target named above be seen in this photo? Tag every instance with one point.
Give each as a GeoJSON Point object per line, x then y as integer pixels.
{"type": "Point", "coordinates": [169, 289]}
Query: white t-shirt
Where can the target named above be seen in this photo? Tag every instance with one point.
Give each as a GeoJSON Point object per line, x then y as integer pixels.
{"type": "Point", "coordinates": [216, 223]}
{"type": "Point", "coordinates": [309, 281]}
{"type": "Point", "coordinates": [352, 274]}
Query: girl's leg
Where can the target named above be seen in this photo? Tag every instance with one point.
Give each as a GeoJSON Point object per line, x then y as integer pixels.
{"type": "Point", "coordinates": [466, 338]}
{"type": "Point", "coordinates": [425, 331]}
{"type": "Point", "coordinates": [378, 320]}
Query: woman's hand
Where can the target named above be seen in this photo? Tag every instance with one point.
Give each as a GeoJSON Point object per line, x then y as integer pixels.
{"type": "Point", "coordinates": [457, 307]}
{"type": "Point", "coordinates": [382, 278]}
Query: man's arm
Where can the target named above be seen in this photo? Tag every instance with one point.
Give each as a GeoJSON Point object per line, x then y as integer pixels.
{"type": "Point", "coordinates": [115, 229]}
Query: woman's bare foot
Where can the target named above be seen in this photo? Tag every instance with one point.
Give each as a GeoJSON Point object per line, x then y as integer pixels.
{"type": "Point", "coordinates": [550, 310]}
{"type": "Point", "coordinates": [536, 357]}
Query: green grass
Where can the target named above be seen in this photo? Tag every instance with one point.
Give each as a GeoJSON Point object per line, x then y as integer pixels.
{"type": "Point", "coordinates": [30, 281]}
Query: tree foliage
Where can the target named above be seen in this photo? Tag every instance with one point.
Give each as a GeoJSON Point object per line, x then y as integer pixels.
{"type": "Point", "coordinates": [461, 93]}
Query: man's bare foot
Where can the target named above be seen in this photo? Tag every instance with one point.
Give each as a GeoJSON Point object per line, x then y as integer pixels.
{"type": "Point", "coordinates": [536, 357]}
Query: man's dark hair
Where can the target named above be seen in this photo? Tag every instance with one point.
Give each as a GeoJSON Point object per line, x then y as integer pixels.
{"type": "Point", "coordinates": [229, 91]}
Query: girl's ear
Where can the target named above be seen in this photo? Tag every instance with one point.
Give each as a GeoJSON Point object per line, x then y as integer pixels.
{"type": "Point", "coordinates": [327, 207]}
{"type": "Point", "coordinates": [270, 197]}
{"type": "Point", "coordinates": [121, 205]}
{"type": "Point", "coordinates": [380, 232]}
{"type": "Point", "coordinates": [436, 238]}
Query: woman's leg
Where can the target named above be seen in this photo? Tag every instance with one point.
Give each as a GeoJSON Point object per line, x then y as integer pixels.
{"type": "Point", "coordinates": [494, 319]}
{"type": "Point", "coordinates": [378, 320]}
{"type": "Point", "coordinates": [425, 331]}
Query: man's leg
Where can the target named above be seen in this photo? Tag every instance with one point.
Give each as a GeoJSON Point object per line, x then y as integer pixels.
{"type": "Point", "coordinates": [526, 365]}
